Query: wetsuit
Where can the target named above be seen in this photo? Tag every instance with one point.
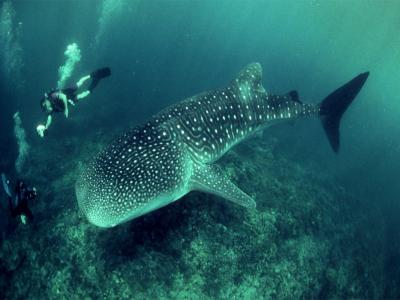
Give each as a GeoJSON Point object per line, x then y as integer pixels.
{"type": "Point", "coordinates": [56, 101]}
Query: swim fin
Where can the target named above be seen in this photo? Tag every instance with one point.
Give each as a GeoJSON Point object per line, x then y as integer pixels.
{"type": "Point", "coordinates": [101, 73]}
{"type": "Point", "coordinates": [97, 76]}
{"type": "Point", "coordinates": [6, 184]}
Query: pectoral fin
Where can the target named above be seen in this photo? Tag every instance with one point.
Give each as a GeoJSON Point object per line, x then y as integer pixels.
{"type": "Point", "coordinates": [211, 179]}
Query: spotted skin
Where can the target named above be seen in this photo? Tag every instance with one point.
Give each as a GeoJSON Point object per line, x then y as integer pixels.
{"type": "Point", "coordinates": [172, 154]}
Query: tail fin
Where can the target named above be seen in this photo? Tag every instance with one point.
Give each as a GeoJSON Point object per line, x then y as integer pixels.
{"type": "Point", "coordinates": [333, 107]}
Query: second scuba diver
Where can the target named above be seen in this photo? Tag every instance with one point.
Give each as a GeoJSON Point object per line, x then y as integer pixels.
{"type": "Point", "coordinates": [18, 203]}
{"type": "Point", "coordinates": [58, 100]}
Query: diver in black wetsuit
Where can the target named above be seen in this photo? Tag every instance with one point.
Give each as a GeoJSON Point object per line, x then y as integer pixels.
{"type": "Point", "coordinates": [56, 101]}
{"type": "Point", "coordinates": [19, 203]}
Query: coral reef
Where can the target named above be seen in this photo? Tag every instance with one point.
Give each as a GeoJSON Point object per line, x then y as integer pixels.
{"type": "Point", "coordinates": [308, 238]}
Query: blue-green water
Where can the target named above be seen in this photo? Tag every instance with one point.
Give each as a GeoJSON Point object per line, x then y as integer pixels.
{"type": "Point", "coordinates": [326, 224]}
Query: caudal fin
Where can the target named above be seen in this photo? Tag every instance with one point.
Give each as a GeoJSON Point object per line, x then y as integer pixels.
{"type": "Point", "coordinates": [333, 107]}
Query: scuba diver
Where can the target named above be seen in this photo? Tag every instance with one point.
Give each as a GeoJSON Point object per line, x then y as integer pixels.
{"type": "Point", "coordinates": [58, 100]}
{"type": "Point", "coordinates": [19, 203]}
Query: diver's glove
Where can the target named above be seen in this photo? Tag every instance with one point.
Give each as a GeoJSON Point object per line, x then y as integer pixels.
{"type": "Point", "coordinates": [41, 130]}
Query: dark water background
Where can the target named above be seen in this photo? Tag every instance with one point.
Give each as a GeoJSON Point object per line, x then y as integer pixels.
{"type": "Point", "coordinates": [163, 51]}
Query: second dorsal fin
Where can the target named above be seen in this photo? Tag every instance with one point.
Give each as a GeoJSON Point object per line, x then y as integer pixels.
{"type": "Point", "coordinates": [294, 96]}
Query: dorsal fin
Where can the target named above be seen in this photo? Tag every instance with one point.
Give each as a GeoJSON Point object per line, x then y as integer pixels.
{"type": "Point", "coordinates": [294, 96]}
{"type": "Point", "coordinates": [251, 73]}
{"type": "Point", "coordinates": [249, 78]}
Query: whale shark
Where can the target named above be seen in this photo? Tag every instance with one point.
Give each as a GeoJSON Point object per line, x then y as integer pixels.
{"type": "Point", "coordinates": [173, 153]}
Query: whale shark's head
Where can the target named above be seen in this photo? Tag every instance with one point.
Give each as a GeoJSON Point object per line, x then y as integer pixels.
{"type": "Point", "coordinates": [142, 171]}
